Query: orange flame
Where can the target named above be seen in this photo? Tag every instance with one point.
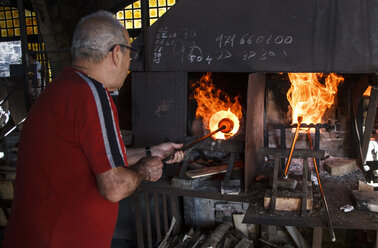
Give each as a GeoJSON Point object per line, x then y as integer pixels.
{"type": "Point", "coordinates": [215, 105]}
{"type": "Point", "coordinates": [309, 98]}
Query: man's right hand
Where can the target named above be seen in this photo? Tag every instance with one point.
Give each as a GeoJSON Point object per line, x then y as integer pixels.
{"type": "Point", "coordinates": [150, 168]}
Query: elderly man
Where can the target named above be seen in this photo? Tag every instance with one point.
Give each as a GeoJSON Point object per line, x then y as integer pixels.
{"type": "Point", "coordinates": [73, 167]}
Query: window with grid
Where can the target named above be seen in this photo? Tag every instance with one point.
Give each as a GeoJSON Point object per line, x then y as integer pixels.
{"type": "Point", "coordinates": [10, 24]}
{"type": "Point", "coordinates": [42, 58]}
{"type": "Point", "coordinates": [131, 16]}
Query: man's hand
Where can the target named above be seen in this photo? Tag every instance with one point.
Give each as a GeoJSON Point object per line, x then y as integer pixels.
{"type": "Point", "coordinates": [150, 168]}
{"type": "Point", "coordinates": [165, 149]}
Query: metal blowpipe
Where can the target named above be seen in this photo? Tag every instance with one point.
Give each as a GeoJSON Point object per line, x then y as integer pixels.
{"type": "Point", "coordinates": [300, 119]}
{"type": "Point", "coordinates": [225, 126]}
{"type": "Point", "coordinates": [330, 227]}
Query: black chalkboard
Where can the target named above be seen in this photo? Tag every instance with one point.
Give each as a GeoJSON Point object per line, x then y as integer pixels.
{"type": "Point", "coordinates": [266, 36]}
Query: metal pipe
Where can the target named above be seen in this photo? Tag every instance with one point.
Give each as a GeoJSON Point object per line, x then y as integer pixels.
{"type": "Point", "coordinates": [300, 118]}
{"type": "Point", "coordinates": [330, 227]}
{"type": "Point", "coordinates": [195, 142]}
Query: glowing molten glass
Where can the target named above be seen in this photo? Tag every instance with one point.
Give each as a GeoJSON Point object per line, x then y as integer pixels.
{"type": "Point", "coordinates": [214, 106]}
{"type": "Point", "coordinates": [215, 124]}
{"type": "Point", "coordinates": [310, 98]}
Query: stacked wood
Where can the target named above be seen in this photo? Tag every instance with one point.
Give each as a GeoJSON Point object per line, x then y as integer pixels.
{"type": "Point", "coordinates": [223, 236]}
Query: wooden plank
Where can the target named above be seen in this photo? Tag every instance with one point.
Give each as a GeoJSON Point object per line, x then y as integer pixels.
{"type": "Point", "coordinates": [255, 127]}
{"type": "Point", "coordinates": [212, 170]}
{"type": "Point", "coordinates": [317, 237]}
{"type": "Point", "coordinates": [287, 203]}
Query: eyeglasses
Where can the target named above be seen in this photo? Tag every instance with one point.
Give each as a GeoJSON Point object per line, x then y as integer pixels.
{"type": "Point", "coordinates": [133, 51]}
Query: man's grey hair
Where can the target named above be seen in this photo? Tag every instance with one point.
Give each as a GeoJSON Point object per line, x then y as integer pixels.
{"type": "Point", "coordinates": [95, 35]}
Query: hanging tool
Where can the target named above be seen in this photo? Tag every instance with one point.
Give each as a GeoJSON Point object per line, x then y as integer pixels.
{"type": "Point", "coordinates": [330, 227]}
{"type": "Point", "coordinates": [225, 126]}
{"type": "Point", "coordinates": [300, 119]}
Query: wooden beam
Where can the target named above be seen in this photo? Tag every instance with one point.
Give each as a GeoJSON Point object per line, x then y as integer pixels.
{"type": "Point", "coordinates": [255, 127]}
{"type": "Point", "coordinates": [369, 124]}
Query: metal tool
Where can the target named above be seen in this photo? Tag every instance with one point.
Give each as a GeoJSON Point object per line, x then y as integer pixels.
{"type": "Point", "coordinates": [225, 126]}
{"type": "Point", "coordinates": [330, 227]}
{"type": "Point", "coordinates": [300, 119]}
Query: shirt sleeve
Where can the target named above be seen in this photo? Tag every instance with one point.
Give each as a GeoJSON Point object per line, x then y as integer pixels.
{"type": "Point", "coordinates": [100, 137]}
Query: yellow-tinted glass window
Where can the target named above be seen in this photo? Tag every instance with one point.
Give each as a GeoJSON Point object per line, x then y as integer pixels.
{"type": "Point", "coordinates": [9, 22]}
{"type": "Point", "coordinates": [132, 14]}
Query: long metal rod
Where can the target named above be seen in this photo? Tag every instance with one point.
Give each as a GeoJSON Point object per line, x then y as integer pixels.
{"type": "Point", "coordinates": [195, 142]}
{"type": "Point", "coordinates": [330, 227]}
{"type": "Point", "coordinates": [300, 118]}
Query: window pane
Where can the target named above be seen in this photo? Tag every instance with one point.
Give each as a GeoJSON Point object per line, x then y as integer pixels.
{"type": "Point", "coordinates": [28, 21]}
{"type": "Point", "coordinates": [4, 33]}
{"type": "Point", "coordinates": [17, 31]}
{"type": "Point", "coordinates": [153, 3]}
{"type": "Point", "coordinates": [136, 5]}
{"type": "Point", "coordinates": [162, 11]}
{"type": "Point", "coordinates": [9, 24]}
{"type": "Point", "coordinates": [29, 30]}
{"type": "Point", "coordinates": [129, 14]}
{"type": "Point", "coordinates": [162, 2]}
{"type": "Point", "coordinates": [138, 24]}
{"type": "Point", "coordinates": [137, 14]}
{"type": "Point", "coordinates": [120, 15]}
{"type": "Point", "coordinates": [153, 13]}
{"type": "Point", "coordinates": [15, 13]}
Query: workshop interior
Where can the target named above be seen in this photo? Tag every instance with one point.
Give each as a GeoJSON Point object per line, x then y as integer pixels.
{"type": "Point", "coordinates": [275, 103]}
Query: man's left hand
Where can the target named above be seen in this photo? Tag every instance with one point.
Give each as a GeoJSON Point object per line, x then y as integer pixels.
{"type": "Point", "coordinates": [165, 149]}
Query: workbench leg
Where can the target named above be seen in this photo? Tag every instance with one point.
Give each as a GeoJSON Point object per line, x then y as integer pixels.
{"type": "Point", "coordinates": [317, 237]}
{"type": "Point", "coordinates": [376, 239]}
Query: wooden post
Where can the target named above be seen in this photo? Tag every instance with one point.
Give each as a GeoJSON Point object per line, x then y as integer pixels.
{"type": "Point", "coordinates": [317, 237]}
{"type": "Point", "coordinates": [254, 127]}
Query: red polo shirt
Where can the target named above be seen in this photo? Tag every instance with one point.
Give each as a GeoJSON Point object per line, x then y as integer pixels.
{"type": "Point", "coordinates": [70, 135]}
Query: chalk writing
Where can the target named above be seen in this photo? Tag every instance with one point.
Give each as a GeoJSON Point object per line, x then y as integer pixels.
{"type": "Point", "coordinates": [185, 45]}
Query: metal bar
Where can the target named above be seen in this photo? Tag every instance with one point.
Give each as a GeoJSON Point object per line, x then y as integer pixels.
{"type": "Point", "coordinates": [157, 218]}
{"type": "Point", "coordinates": [24, 49]}
{"type": "Point", "coordinates": [329, 222]}
{"type": "Point", "coordinates": [305, 186]}
{"type": "Point", "coordinates": [283, 145]}
{"type": "Point", "coordinates": [304, 125]}
{"type": "Point", "coordinates": [148, 219]}
{"type": "Point", "coordinates": [216, 195]}
{"type": "Point", "coordinates": [183, 169]}
{"type": "Point", "coordinates": [138, 220]}
{"type": "Point", "coordinates": [298, 153]}
{"type": "Point", "coordinates": [175, 213]}
{"type": "Point", "coordinates": [231, 163]}
{"type": "Point", "coordinates": [145, 24]}
{"type": "Point", "coordinates": [369, 123]}
{"type": "Point", "coordinates": [165, 212]}
{"type": "Point", "coordinates": [300, 118]}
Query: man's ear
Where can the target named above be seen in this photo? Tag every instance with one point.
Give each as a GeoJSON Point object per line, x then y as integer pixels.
{"type": "Point", "coordinates": [115, 55]}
